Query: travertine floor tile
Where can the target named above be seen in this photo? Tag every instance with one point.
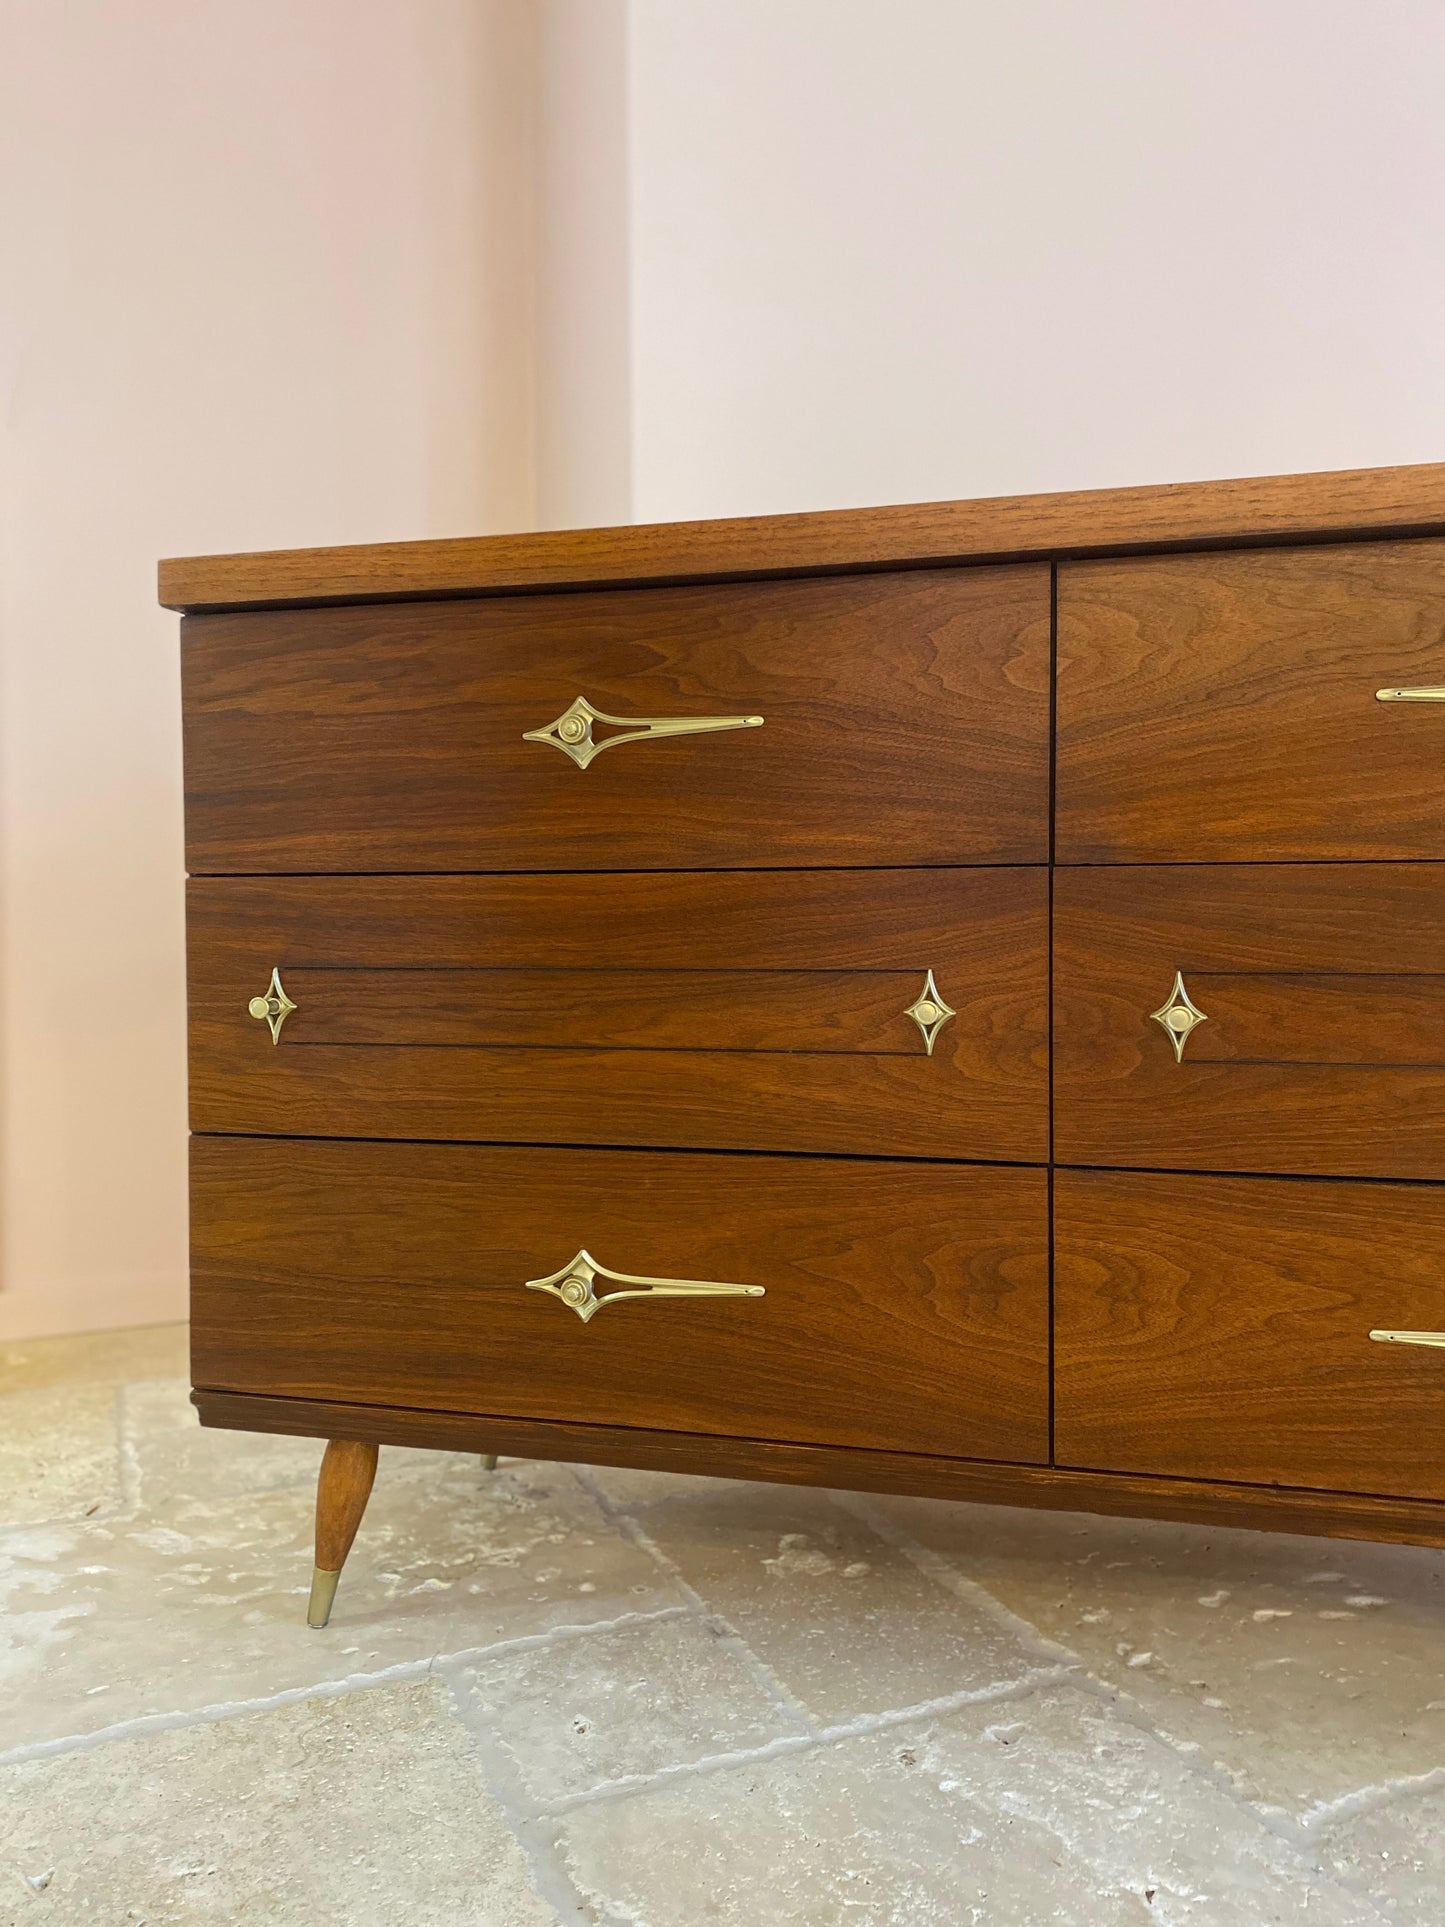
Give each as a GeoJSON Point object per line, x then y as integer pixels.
{"type": "Point", "coordinates": [630, 1700]}
{"type": "Point", "coordinates": [1047, 1809]}
{"type": "Point", "coordinates": [633, 1491]}
{"type": "Point", "coordinates": [364, 1810]}
{"type": "Point", "coordinates": [171, 1458]}
{"type": "Point", "coordinates": [204, 1604]}
{"type": "Point", "coordinates": [1396, 1853]}
{"type": "Point", "coordinates": [844, 1622]}
{"type": "Point", "coordinates": [59, 1456]}
{"type": "Point", "coordinates": [1306, 1667]}
{"type": "Point", "coordinates": [101, 1358]}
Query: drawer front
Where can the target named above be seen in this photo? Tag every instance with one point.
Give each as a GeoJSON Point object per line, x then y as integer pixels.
{"type": "Point", "coordinates": [872, 1304]}
{"type": "Point", "coordinates": [847, 720]}
{"type": "Point", "coordinates": [1223, 707]}
{"type": "Point", "coordinates": [1220, 1328]}
{"type": "Point", "coordinates": [1322, 993]}
{"type": "Point", "coordinates": [765, 1010]}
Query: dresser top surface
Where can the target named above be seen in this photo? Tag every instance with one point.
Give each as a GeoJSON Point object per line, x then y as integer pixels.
{"type": "Point", "coordinates": [1336, 504]}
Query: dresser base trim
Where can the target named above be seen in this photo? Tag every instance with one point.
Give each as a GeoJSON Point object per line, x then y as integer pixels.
{"type": "Point", "coordinates": [1336, 1515]}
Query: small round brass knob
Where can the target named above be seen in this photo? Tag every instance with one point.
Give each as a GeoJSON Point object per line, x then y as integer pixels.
{"type": "Point", "coordinates": [1178, 1019]}
{"type": "Point", "coordinates": [259, 1007]}
{"type": "Point", "coordinates": [572, 730]}
{"type": "Point", "coordinates": [926, 1012]}
{"type": "Point", "coordinates": [574, 1292]}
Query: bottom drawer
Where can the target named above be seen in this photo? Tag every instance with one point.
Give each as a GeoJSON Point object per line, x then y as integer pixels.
{"type": "Point", "coordinates": [1219, 1328]}
{"type": "Point", "coordinates": [868, 1303]}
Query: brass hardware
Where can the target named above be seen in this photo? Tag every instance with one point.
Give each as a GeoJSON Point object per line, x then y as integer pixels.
{"type": "Point", "coordinates": [1410, 1338]}
{"type": "Point", "coordinates": [572, 731]}
{"type": "Point", "coordinates": [323, 1597]}
{"type": "Point", "coordinates": [1179, 1015]}
{"type": "Point", "coordinates": [574, 1285]}
{"type": "Point", "coordinates": [274, 1008]}
{"type": "Point", "coordinates": [929, 1012]}
{"type": "Point", "coordinates": [489, 1461]}
{"type": "Point", "coordinates": [1429, 693]}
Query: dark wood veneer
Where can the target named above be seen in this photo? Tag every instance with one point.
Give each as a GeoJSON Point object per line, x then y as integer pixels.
{"type": "Point", "coordinates": [1223, 706]}
{"type": "Point", "coordinates": [1252, 509]}
{"type": "Point", "coordinates": [1340, 1515]}
{"type": "Point", "coordinates": [507, 971]}
{"type": "Point", "coordinates": [905, 722]}
{"type": "Point", "coordinates": [1219, 1328]}
{"type": "Point", "coordinates": [906, 1305]}
{"type": "Point", "coordinates": [1324, 988]}
{"type": "Point", "coordinates": [762, 1010]}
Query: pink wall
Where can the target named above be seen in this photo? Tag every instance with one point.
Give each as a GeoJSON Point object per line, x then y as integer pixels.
{"type": "Point", "coordinates": [349, 270]}
{"type": "Point", "coordinates": [266, 280]}
{"type": "Point", "coordinates": [934, 248]}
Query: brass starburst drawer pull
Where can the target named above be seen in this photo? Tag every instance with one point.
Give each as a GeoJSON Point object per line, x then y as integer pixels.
{"type": "Point", "coordinates": [576, 1285]}
{"type": "Point", "coordinates": [274, 1008]}
{"type": "Point", "coordinates": [1178, 1015]}
{"type": "Point", "coordinates": [929, 1012]}
{"type": "Point", "coordinates": [572, 731]}
{"type": "Point", "coordinates": [1424, 693]}
{"type": "Point", "coordinates": [1410, 1338]}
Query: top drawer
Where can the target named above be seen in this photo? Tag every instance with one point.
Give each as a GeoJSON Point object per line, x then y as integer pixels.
{"type": "Point", "coordinates": [904, 720]}
{"type": "Point", "coordinates": [1223, 708]}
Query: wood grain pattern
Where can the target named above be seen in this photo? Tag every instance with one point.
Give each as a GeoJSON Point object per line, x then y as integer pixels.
{"type": "Point", "coordinates": [906, 1304]}
{"type": "Point", "coordinates": [576, 956]}
{"type": "Point", "coordinates": [1218, 1328]}
{"type": "Point", "coordinates": [1324, 987]}
{"type": "Point", "coordinates": [905, 722]}
{"type": "Point", "coordinates": [1274, 508]}
{"type": "Point", "coordinates": [600, 1009]}
{"type": "Point", "coordinates": [348, 1471]}
{"type": "Point", "coordinates": [1339, 1515]}
{"type": "Point", "coordinates": [1222, 707]}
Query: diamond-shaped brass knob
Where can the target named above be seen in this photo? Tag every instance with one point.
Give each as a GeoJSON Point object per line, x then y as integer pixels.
{"type": "Point", "coordinates": [929, 1012]}
{"type": "Point", "coordinates": [1178, 1015]}
{"type": "Point", "coordinates": [274, 1008]}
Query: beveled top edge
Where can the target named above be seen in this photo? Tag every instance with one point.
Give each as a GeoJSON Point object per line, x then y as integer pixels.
{"type": "Point", "coordinates": [1005, 528]}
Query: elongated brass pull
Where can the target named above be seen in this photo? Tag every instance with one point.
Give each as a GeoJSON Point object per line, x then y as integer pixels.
{"type": "Point", "coordinates": [575, 1285]}
{"type": "Point", "coordinates": [572, 731]}
{"type": "Point", "coordinates": [1178, 1015]}
{"type": "Point", "coordinates": [1410, 1338]}
{"type": "Point", "coordinates": [1428, 693]}
{"type": "Point", "coordinates": [274, 1008]}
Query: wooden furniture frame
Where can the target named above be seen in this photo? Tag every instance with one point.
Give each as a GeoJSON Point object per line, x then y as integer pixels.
{"type": "Point", "coordinates": [1032, 997]}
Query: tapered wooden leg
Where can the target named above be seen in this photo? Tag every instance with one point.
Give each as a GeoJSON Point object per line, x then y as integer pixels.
{"type": "Point", "coordinates": [347, 1470]}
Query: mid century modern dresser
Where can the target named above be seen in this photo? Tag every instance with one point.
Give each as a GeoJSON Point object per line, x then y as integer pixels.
{"type": "Point", "coordinates": [944, 999]}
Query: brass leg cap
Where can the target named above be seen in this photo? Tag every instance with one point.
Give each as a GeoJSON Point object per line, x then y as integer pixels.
{"type": "Point", "coordinates": [323, 1592]}
{"type": "Point", "coordinates": [489, 1461]}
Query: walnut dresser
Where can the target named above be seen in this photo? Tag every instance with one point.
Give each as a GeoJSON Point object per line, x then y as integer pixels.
{"type": "Point", "coordinates": [944, 999]}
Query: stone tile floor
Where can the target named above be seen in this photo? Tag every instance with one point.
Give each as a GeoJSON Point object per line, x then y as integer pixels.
{"type": "Point", "coordinates": [561, 1695]}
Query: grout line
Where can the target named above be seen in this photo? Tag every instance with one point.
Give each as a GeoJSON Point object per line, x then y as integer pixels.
{"type": "Point", "coordinates": [147, 1723]}
{"type": "Point", "coordinates": [402, 1672]}
{"type": "Point", "coordinates": [861, 1726]}
{"type": "Point", "coordinates": [1370, 1799]}
{"type": "Point", "coordinates": [539, 1842]}
{"type": "Point", "coordinates": [1299, 1834]}
{"type": "Point", "coordinates": [943, 1572]}
{"type": "Point", "coordinates": [726, 1633]}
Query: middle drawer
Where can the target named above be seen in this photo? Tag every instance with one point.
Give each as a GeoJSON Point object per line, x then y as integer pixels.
{"type": "Point", "coordinates": [1252, 1017]}
{"type": "Point", "coordinates": [884, 1012]}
